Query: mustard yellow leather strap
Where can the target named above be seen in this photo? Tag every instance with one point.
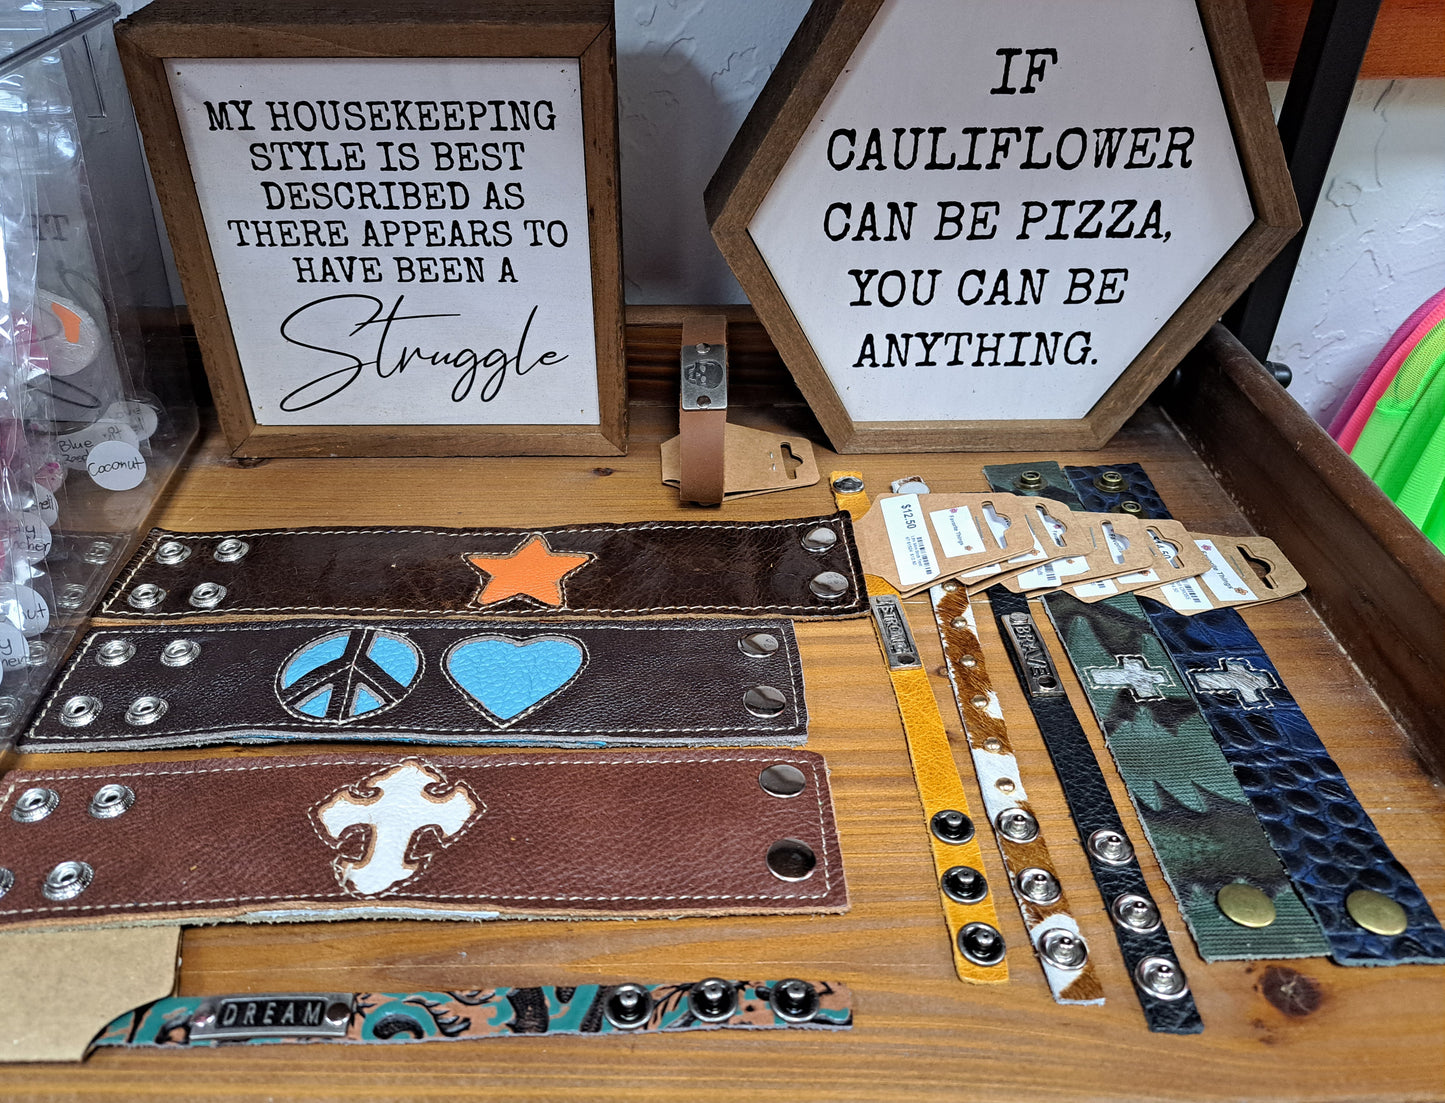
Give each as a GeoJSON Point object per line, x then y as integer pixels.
{"type": "Point", "coordinates": [974, 936]}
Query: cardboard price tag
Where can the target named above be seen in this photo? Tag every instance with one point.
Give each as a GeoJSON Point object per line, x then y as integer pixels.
{"type": "Point", "coordinates": [1095, 545]}
{"type": "Point", "coordinates": [1172, 557]}
{"type": "Point", "coordinates": [917, 540]}
{"type": "Point", "coordinates": [1230, 580]}
{"type": "Point", "coordinates": [754, 462]}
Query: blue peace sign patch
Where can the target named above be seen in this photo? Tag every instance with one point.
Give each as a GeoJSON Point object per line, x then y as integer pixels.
{"type": "Point", "coordinates": [348, 675]}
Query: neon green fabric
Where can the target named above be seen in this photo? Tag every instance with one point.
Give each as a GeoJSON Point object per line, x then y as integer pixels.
{"type": "Point", "coordinates": [1394, 439]}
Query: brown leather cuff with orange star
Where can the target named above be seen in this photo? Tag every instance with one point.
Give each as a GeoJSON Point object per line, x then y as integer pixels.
{"type": "Point", "coordinates": [557, 683]}
{"type": "Point", "coordinates": [802, 568]}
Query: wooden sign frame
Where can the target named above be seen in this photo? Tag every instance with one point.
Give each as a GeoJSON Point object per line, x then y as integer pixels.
{"type": "Point", "coordinates": [580, 29]}
{"type": "Point", "coordinates": [813, 62]}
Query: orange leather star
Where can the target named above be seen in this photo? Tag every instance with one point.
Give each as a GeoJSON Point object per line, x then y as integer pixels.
{"type": "Point", "coordinates": [534, 570]}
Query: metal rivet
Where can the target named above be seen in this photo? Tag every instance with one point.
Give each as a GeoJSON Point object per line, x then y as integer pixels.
{"type": "Point", "coordinates": [1004, 785]}
{"type": "Point", "coordinates": [145, 596]}
{"type": "Point", "coordinates": [713, 1000]}
{"type": "Point", "coordinates": [848, 484]}
{"type": "Point", "coordinates": [782, 780]}
{"type": "Point", "coordinates": [7, 880]}
{"type": "Point", "coordinates": [628, 1006]}
{"type": "Point", "coordinates": [145, 710]}
{"type": "Point", "coordinates": [764, 701]}
{"type": "Point", "coordinates": [1131, 507]}
{"type": "Point", "coordinates": [992, 744]}
{"type": "Point", "coordinates": [98, 552]}
{"type": "Point", "coordinates": [67, 881]}
{"type": "Point", "coordinates": [115, 652]}
{"type": "Point", "coordinates": [981, 944]}
{"type": "Point", "coordinates": [952, 586]}
{"type": "Point", "coordinates": [794, 1001]}
{"type": "Point", "coordinates": [70, 597]}
{"type": "Point", "coordinates": [180, 653]}
{"type": "Point", "coordinates": [964, 884]}
{"type": "Point", "coordinates": [79, 711]}
{"type": "Point", "coordinates": [951, 826]}
{"type": "Point", "coordinates": [1162, 978]}
{"type": "Point", "coordinates": [1110, 482]}
{"type": "Point", "coordinates": [207, 595]}
{"type": "Point", "coordinates": [1038, 885]}
{"type": "Point", "coordinates": [1110, 846]}
{"type": "Point", "coordinates": [1064, 948]}
{"type": "Point", "coordinates": [1135, 912]}
{"type": "Point", "coordinates": [819, 539]}
{"type": "Point", "coordinates": [1030, 480]}
{"type": "Point", "coordinates": [230, 549]}
{"type": "Point", "coordinates": [978, 701]}
{"type": "Point", "coordinates": [172, 553]}
{"type": "Point", "coordinates": [958, 622]}
{"type": "Point", "coordinates": [791, 860]}
{"type": "Point", "coordinates": [338, 1012]}
{"type": "Point", "coordinates": [1376, 912]}
{"type": "Point", "coordinates": [968, 662]}
{"type": "Point", "coordinates": [758, 645]}
{"type": "Point", "coordinates": [34, 804]}
{"type": "Point", "coordinates": [1017, 825]}
{"type": "Point", "coordinates": [1246, 905]}
{"type": "Point", "coordinates": [111, 801]}
{"type": "Point", "coordinates": [830, 585]}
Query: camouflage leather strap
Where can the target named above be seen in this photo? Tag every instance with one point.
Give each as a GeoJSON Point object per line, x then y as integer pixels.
{"type": "Point", "coordinates": [1235, 897]}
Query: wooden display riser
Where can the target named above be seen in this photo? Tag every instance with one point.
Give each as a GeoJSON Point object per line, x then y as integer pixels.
{"type": "Point", "coordinates": [1273, 1030]}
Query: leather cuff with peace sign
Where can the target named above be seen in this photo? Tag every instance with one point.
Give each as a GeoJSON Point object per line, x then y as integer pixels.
{"type": "Point", "coordinates": [561, 683]}
{"type": "Point", "coordinates": [797, 568]}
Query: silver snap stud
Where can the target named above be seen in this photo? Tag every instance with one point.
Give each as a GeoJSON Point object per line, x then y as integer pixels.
{"type": "Point", "coordinates": [819, 539]}
{"type": "Point", "coordinates": [713, 1000]}
{"type": "Point", "coordinates": [782, 780]}
{"type": "Point", "coordinates": [1038, 885]}
{"type": "Point", "coordinates": [964, 884]}
{"type": "Point", "coordinates": [7, 880]}
{"type": "Point", "coordinates": [98, 552]}
{"type": "Point", "coordinates": [111, 801]}
{"type": "Point", "coordinates": [764, 701]}
{"type": "Point", "coordinates": [9, 708]}
{"type": "Point", "coordinates": [70, 597]}
{"type": "Point", "coordinates": [1063, 948]}
{"type": "Point", "coordinates": [67, 881]}
{"type": "Point", "coordinates": [207, 595]}
{"type": "Point", "coordinates": [115, 652]}
{"type": "Point", "coordinates": [981, 944]}
{"type": "Point", "coordinates": [758, 645]}
{"type": "Point", "coordinates": [1017, 825]}
{"type": "Point", "coordinates": [172, 553]}
{"type": "Point", "coordinates": [1135, 912]}
{"type": "Point", "coordinates": [34, 804]}
{"type": "Point", "coordinates": [145, 596]}
{"type": "Point", "coordinates": [951, 826]}
{"type": "Point", "coordinates": [145, 710]}
{"type": "Point", "coordinates": [39, 654]}
{"type": "Point", "coordinates": [791, 860]}
{"type": "Point", "coordinates": [794, 1001]}
{"type": "Point", "coordinates": [230, 549]}
{"type": "Point", "coordinates": [628, 1006]}
{"type": "Point", "coordinates": [1162, 978]}
{"type": "Point", "coordinates": [180, 653]}
{"type": "Point", "coordinates": [1110, 846]}
{"type": "Point", "coordinates": [848, 484]}
{"type": "Point", "coordinates": [830, 585]}
{"type": "Point", "coordinates": [79, 711]}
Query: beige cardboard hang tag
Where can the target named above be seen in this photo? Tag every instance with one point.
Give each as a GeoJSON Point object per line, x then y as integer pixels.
{"type": "Point", "coordinates": [918, 540]}
{"type": "Point", "coordinates": [1095, 547]}
{"type": "Point", "coordinates": [1172, 556]}
{"type": "Point", "coordinates": [1231, 579]}
{"type": "Point", "coordinates": [754, 462]}
{"type": "Point", "coordinates": [62, 988]}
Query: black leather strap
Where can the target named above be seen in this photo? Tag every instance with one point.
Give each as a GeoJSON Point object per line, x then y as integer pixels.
{"type": "Point", "coordinates": [1116, 871]}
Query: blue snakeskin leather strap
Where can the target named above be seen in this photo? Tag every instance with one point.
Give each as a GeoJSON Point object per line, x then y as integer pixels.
{"type": "Point", "coordinates": [1325, 839]}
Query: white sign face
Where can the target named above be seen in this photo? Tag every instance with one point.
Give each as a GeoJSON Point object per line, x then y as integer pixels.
{"type": "Point", "coordinates": [1001, 202]}
{"type": "Point", "coordinates": [399, 242]}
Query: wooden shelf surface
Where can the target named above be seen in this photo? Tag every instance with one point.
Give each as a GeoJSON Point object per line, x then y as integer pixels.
{"type": "Point", "coordinates": [1301, 1030]}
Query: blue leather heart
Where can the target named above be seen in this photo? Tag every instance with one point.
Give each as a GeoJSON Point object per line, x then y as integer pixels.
{"type": "Point", "coordinates": [507, 678]}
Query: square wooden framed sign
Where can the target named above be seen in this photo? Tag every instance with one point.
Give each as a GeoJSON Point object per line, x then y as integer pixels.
{"type": "Point", "coordinates": [396, 225]}
{"type": "Point", "coordinates": [999, 224]}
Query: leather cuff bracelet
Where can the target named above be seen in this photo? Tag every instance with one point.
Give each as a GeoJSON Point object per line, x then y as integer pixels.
{"type": "Point", "coordinates": [633, 833]}
{"type": "Point", "coordinates": [1230, 887]}
{"type": "Point", "coordinates": [702, 416]}
{"type": "Point", "coordinates": [1366, 902]}
{"type": "Point", "coordinates": [659, 683]}
{"type": "Point", "coordinates": [444, 1016]}
{"type": "Point", "coordinates": [798, 568]}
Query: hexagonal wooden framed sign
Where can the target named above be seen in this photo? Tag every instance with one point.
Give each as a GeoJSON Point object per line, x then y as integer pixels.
{"type": "Point", "coordinates": [987, 224]}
